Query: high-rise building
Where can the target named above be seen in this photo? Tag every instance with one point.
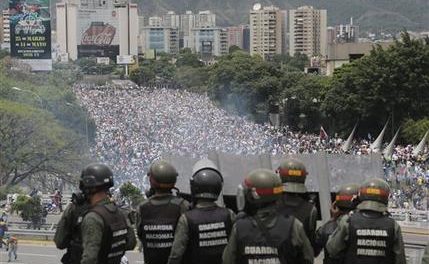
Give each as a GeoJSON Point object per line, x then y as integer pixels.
{"type": "Point", "coordinates": [171, 20]}
{"type": "Point", "coordinates": [187, 23]}
{"type": "Point", "coordinates": [205, 19]}
{"type": "Point", "coordinates": [235, 36]}
{"type": "Point", "coordinates": [267, 31]}
{"type": "Point", "coordinates": [97, 28]}
{"type": "Point", "coordinates": [307, 31]}
{"type": "Point", "coordinates": [209, 41]}
{"type": "Point", "coordinates": [160, 39]}
{"type": "Point", "coordinates": [155, 21]}
{"type": "Point", "coordinates": [5, 29]}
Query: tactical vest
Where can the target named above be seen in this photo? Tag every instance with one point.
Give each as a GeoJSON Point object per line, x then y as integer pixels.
{"type": "Point", "coordinates": [74, 252]}
{"type": "Point", "coordinates": [158, 224]}
{"type": "Point", "coordinates": [371, 238]}
{"type": "Point", "coordinates": [273, 247]}
{"type": "Point", "coordinates": [209, 229]}
{"type": "Point", "coordinates": [325, 231]}
{"type": "Point", "coordinates": [300, 209]}
{"type": "Point", "coordinates": [114, 240]}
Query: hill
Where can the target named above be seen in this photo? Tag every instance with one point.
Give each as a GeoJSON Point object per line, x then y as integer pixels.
{"type": "Point", "coordinates": [372, 15]}
{"type": "Point", "coordinates": [389, 15]}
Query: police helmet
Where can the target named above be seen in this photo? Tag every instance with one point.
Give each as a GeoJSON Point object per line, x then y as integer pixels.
{"type": "Point", "coordinates": [162, 175]}
{"type": "Point", "coordinates": [260, 187]}
{"type": "Point", "coordinates": [376, 190]}
{"type": "Point", "coordinates": [206, 181]}
{"type": "Point", "coordinates": [96, 175]}
{"type": "Point", "coordinates": [347, 196]}
{"type": "Point", "coordinates": [293, 174]}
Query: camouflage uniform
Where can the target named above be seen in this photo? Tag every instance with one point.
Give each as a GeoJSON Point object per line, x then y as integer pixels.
{"type": "Point", "coordinates": [339, 241]}
{"type": "Point", "coordinates": [181, 237]}
{"type": "Point", "coordinates": [67, 235]}
{"type": "Point", "coordinates": [92, 235]}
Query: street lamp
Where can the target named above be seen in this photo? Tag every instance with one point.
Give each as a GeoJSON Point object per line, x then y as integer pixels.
{"type": "Point", "coordinates": [28, 91]}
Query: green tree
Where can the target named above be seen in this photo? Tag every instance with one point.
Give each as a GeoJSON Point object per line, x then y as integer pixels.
{"type": "Point", "coordinates": [131, 193]}
{"type": "Point", "coordinates": [192, 78]}
{"type": "Point", "coordinates": [32, 142]}
{"type": "Point", "coordinates": [413, 131]}
{"type": "Point", "coordinates": [387, 83]}
{"type": "Point", "coordinates": [243, 83]}
{"type": "Point", "coordinates": [291, 63]}
{"type": "Point", "coordinates": [29, 208]}
{"type": "Point", "coordinates": [187, 58]}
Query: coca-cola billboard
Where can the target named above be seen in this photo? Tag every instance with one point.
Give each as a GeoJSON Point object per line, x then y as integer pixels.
{"type": "Point", "coordinates": [98, 34]}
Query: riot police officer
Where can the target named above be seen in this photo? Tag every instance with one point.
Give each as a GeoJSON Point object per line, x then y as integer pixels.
{"type": "Point", "coordinates": [261, 235]}
{"type": "Point", "coordinates": [369, 235]}
{"type": "Point", "coordinates": [67, 234]}
{"type": "Point", "coordinates": [294, 201]}
{"type": "Point", "coordinates": [202, 233]}
{"type": "Point", "coordinates": [157, 216]}
{"type": "Point", "coordinates": [106, 232]}
{"type": "Point", "coordinates": [345, 201]}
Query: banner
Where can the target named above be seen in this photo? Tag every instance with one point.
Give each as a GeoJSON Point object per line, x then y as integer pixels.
{"type": "Point", "coordinates": [97, 32]}
{"type": "Point", "coordinates": [30, 33]}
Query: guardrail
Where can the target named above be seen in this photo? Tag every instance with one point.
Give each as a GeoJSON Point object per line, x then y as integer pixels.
{"type": "Point", "coordinates": [408, 215]}
{"type": "Point", "coordinates": [45, 234]}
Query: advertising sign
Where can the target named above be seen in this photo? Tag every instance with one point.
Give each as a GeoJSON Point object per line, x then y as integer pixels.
{"type": "Point", "coordinates": [97, 33]}
{"type": "Point", "coordinates": [125, 59]}
{"type": "Point", "coordinates": [30, 33]}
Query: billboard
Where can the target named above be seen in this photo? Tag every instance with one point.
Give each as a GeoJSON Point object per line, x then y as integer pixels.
{"type": "Point", "coordinates": [30, 33]}
{"type": "Point", "coordinates": [97, 32]}
{"type": "Point", "coordinates": [125, 59]}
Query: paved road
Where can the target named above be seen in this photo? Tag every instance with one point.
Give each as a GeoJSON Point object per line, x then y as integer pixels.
{"type": "Point", "coordinates": [48, 254]}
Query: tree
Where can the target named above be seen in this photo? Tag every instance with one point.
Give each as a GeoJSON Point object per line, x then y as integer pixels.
{"type": "Point", "coordinates": [193, 79]}
{"type": "Point", "coordinates": [242, 83]}
{"type": "Point", "coordinates": [187, 58]}
{"type": "Point", "coordinates": [32, 142]}
{"type": "Point", "coordinates": [131, 193]}
{"type": "Point", "coordinates": [413, 131]}
{"type": "Point", "coordinates": [29, 208]}
{"type": "Point", "coordinates": [234, 48]}
{"type": "Point", "coordinates": [387, 83]}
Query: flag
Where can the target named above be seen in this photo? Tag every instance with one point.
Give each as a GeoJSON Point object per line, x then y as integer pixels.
{"type": "Point", "coordinates": [421, 145]}
{"type": "Point", "coordinates": [323, 135]}
{"type": "Point", "coordinates": [346, 145]}
{"type": "Point", "coordinates": [388, 151]}
{"type": "Point", "coordinates": [376, 145]}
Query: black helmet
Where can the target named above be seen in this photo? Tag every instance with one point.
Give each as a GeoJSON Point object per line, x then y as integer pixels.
{"type": "Point", "coordinates": [206, 181]}
{"type": "Point", "coordinates": [376, 190]}
{"type": "Point", "coordinates": [96, 175]}
{"type": "Point", "coordinates": [347, 196]}
{"type": "Point", "coordinates": [293, 174]}
{"type": "Point", "coordinates": [260, 187]}
{"type": "Point", "coordinates": [162, 175]}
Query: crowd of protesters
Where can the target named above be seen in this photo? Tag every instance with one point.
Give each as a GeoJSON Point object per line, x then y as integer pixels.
{"type": "Point", "coordinates": [136, 125]}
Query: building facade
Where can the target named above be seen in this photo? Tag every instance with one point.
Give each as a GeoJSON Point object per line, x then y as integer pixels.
{"type": "Point", "coordinates": [5, 30]}
{"type": "Point", "coordinates": [267, 31]}
{"type": "Point", "coordinates": [209, 42]}
{"type": "Point", "coordinates": [235, 36]}
{"type": "Point", "coordinates": [160, 39]}
{"type": "Point", "coordinates": [308, 31]}
{"type": "Point", "coordinates": [88, 28]}
{"type": "Point", "coordinates": [171, 20]}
